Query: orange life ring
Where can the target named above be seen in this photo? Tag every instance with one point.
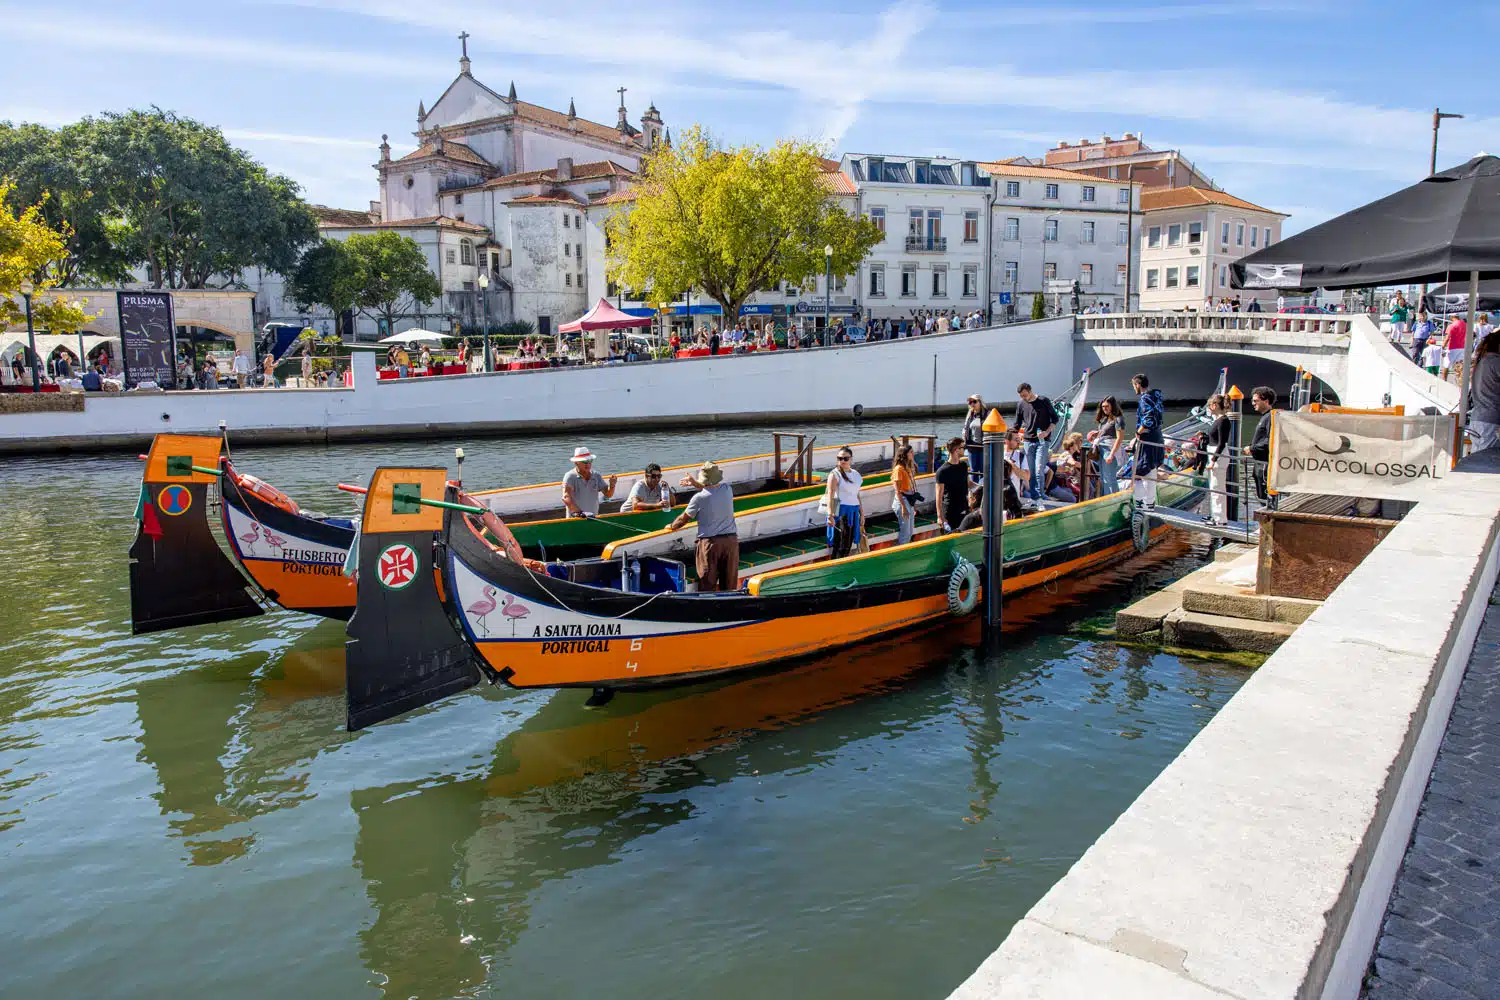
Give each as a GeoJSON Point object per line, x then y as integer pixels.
{"type": "Point", "coordinates": [268, 493]}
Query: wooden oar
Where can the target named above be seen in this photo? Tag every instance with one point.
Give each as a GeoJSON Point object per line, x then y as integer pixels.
{"type": "Point", "coordinates": [422, 500]}
{"type": "Point", "coordinates": [195, 468]}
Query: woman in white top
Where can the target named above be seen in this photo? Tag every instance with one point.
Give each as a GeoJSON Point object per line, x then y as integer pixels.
{"type": "Point", "coordinates": [845, 515]}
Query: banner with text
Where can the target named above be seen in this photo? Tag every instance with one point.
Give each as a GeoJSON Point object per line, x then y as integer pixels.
{"type": "Point", "coordinates": [147, 338]}
{"type": "Point", "coordinates": [1358, 454]}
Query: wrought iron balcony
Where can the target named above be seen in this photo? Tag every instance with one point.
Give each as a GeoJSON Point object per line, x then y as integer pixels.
{"type": "Point", "coordinates": [927, 244]}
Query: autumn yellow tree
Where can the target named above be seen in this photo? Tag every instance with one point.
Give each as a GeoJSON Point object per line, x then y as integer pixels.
{"type": "Point", "coordinates": [732, 221]}
{"type": "Point", "coordinates": [28, 250]}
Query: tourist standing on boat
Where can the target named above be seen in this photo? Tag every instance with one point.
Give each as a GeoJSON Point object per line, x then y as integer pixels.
{"type": "Point", "coordinates": [1037, 418]}
{"type": "Point", "coordinates": [1262, 399]}
{"type": "Point", "coordinates": [1217, 444]}
{"type": "Point", "coordinates": [582, 486]}
{"type": "Point", "coordinates": [953, 487]}
{"type": "Point", "coordinates": [974, 436]}
{"type": "Point", "coordinates": [1106, 437]}
{"type": "Point", "coordinates": [1150, 446]}
{"type": "Point", "coordinates": [1484, 422]}
{"type": "Point", "coordinates": [718, 548]}
{"type": "Point", "coordinates": [845, 513]}
{"type": "Point", "coordinates": [903, 504]}
{"type": "Point", "coordinates": [649, 493]}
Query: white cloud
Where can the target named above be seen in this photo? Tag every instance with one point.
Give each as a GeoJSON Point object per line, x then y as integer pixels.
{"type": "Point", "coordinates": [253, 135]}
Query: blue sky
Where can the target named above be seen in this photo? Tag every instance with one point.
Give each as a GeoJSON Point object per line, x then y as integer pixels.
{"type": "Point", "coordinates": [1308, 108]}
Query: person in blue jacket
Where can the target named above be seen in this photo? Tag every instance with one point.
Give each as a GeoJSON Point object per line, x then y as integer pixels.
{"type": "Point", "coordinates": [1150, 447]}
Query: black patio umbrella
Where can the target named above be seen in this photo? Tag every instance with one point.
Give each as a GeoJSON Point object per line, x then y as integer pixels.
{"type": "Point", "coordinates": [1453, 297]}
{"type": "Point", "coordinates": [1447, 225]}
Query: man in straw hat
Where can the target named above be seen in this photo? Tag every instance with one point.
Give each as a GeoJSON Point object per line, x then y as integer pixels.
{"type": "Point", "coordinates": [718, 550]}
{"type": "Point", "coordinates": [582, 485]}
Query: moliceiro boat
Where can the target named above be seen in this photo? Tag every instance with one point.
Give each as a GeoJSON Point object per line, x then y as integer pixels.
{"type": "Point", "coordinates": [633, 620]}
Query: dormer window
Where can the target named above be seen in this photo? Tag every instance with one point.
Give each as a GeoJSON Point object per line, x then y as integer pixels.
{"type": "Point", "coordinates": [921, 167]}
{"type": "Point", "coordinates": [875, 168]}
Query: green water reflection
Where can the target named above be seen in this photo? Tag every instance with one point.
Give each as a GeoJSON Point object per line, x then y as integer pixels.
{"type": "Point", "coordinates": [181, 814]}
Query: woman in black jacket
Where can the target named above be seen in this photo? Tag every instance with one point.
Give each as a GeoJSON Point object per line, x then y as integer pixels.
{"type": "Point", "coordinates": [1217, 445]}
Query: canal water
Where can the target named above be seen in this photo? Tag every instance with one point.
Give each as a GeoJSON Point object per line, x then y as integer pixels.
{"type": "Point", "coordinates": [181, 814]}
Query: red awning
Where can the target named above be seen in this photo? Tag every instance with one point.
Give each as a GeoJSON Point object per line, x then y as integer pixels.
{"type": "Point", "coordinates": [604, 317]}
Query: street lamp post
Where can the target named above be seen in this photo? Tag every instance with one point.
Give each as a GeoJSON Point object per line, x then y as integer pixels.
{"type": "Point", "coordinates": [484, 309]}
{"type": "Point", "coordinates": [1437, 120]}
{"type": "Point", "coordinates": [827, 292]}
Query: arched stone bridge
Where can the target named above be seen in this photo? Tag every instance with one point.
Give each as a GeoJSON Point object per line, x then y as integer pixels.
{"type": "Point", "coordinates": [229, 312]}
{"type": "Point", "coordinates": [1348, 353]}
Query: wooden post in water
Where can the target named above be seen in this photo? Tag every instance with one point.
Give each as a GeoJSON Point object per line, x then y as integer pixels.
{"type": "Point", "coordinates": [994, 519]}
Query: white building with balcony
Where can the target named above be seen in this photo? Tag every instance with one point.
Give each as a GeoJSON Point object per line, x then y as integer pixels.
{"type": "Point", "coordinates": [1057, 225]}
{"type": "Point", "coordinates": [1190, 236]}
{"type": "Point", "coordinates": [933, 211]}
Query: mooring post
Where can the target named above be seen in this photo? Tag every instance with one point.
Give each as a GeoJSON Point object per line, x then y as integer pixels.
{"type": "Point", "coordinates": [994, 519]}
{"type": "Point", "coordinates": [458, 453]}
{"type": "Point", "coordinates": [1236, 416]}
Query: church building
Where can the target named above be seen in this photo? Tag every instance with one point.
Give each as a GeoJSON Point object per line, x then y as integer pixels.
{"type": "Point", "coordinates": [500, 188]}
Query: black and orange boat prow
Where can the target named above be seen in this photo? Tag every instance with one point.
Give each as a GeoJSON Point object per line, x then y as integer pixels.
{"type": "Point", "coordinates": [178, 574]}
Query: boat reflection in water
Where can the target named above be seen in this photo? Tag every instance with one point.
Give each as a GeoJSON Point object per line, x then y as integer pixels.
{"type": "Point", "coordinates": [452, 865]}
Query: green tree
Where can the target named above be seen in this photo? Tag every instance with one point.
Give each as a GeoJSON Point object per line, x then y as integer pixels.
{"type": "Point", "coordinates": [731, 222]}
{"type": "Point", "coordinates": [328, 275]}
{"type": "Point", "coordinates": [393, 275]}
{"type": "Point", "coordinates": [62, 173]}
{"type": "Point", "coordinates": [1038, 306]}
{"type": "Point", "coordinates": [190, 207]}
{"type": "Point", "coordinates": [29, 253]}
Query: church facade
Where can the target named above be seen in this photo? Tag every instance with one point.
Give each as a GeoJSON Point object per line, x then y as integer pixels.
{"type": "Point", "coordinates": [499, 192]}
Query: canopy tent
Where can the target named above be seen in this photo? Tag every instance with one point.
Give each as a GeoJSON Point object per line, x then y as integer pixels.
{"type": "Point", "coordinates": [1453, 297]}
{"type": "Point", "coordinates": [1446, 226]}
{"type": "Point", "coordinates": [413, 336]}
{"type": "Point", "coordinates": [601, 318]}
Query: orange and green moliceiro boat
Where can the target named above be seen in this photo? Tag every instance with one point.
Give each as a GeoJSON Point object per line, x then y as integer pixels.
{"type": "Point", "coordinates": [630, 622]}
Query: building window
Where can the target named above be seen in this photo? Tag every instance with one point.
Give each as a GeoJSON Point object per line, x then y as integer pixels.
{"type": "Point", "coordinates": [1195, 233]}
{"type": "Point", "coordinates": [1268, 236]}
{"type": "Point", "coordinates": [565, 221]}
{"type": "Point", "coordinates": [971, 282]}
{"type": "Point", "coordinates": [1123, 198]}
{"type": "Point", "coordinates": [1088, 192]}
{"type": "Point", "coordinates": [1012, 189]}
{"type": "Point", "coordinates": [1153, 277]}
{"type": "Point", "coordinates": [914, 222]}
{"type": "Point", "coordinates": [875, 168]}
{"type": "Point", "coordinates": [578, 252]}
{"type": "Point", "coordinates": [1253, 233]}
{"type": "Point", "coordinates": [934, 225]}
{"type": "Point", "coordinates": [908, 281]}
{"type": "Point", "coordinates": [1239, 234]}
{"type": "Point", "coordinates": [1223, 275]}
{"type": "Point", "coordinates": [451, 255]}
{"type": "Point", "coordinates": [922, 170]}
{"type": "Point", "coordinates": [1085, 274]}
{"type": "Point", "coordinates": [966, 175]}
{"type": "Point", "coordinates": [458, 199]}
{"type": "Point", "coordinates": [544, 326]}
{"type": "Point", "coordinates": [939, 282]}
{"type": "Point", "coordinates": [466, 252]}
{"type": "Point", "coordinates": [1120, 273]}
{"type": "Point", "coordinates": [877, 216]}
{"type": "Point", "coordinates": [839, 284]}
{"type": "Point", "coordinates": [1012, 229]}
{"type": "Point", "coordinates": [468, 286]}
{"type": "Point", "coordinates": [1050, 231]}
{"type": "Point", "coordinates": [577, 220]}
{"type": "Point", "coordinates": [1049, 271]}
{"type": "Point", "coordinates": [877, 282]}
{"type": "Point", "coordinates": [1153, 238]}
{"type": "Point", "coordinates": [1122, 234]}
{"type": "Point", "coordinates": [1086, 235]}
{"type": "Point", "coordinates": [1012, 271]}
{"type": "Point", "coordinates": [971, 227]}
{"type": "Point", "coordinates": [1192, 276]}
{"type": "Point", "coordinates": [567, 249]}
{"type": "Point", "coordinates": [1052, 191]}
{"type": "Point", "coordinates": [1171, 277]}
{"type": "Point", "coordinates": [1174, 234]}
{"type": "Point", "coordinates": [1224, 234]}
{"type": "Point", "coordinates": [567, 279]}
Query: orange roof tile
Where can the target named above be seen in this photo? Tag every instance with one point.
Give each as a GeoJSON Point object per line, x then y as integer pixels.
{"type": "Point", "coordinates": [341, 216]}
{"type": "Point", "coordinates": [1008, 168]}
{"type": "Point", "coordinates": [452, 149]}
{"type": "Point", "coordinates": [442, 221]}
{"type": "Point", "coordinates": [623, 195]}
{"type": "Point", "coordinates": [1160, 198]}
{"type": "Point", "coordinates": [546, 116]}
{"type": "Point", "coordinates": [839, 183]}
{"type": "Point", "coordinates": [581, 172]}
{"type": "Point", "coordinates": [556, 196]}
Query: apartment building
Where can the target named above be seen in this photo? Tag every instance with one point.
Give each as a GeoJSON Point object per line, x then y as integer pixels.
{"type": "Point", "coordinates": [1190, 236]}
{"type": "Point", "coordinates": [1052, 225]}
{"type": "Point", "coordinates": [934, 213]}
{"type": "Point", "coordinates": [1127, 158]}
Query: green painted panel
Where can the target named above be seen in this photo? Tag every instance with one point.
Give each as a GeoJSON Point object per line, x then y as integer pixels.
{"type": "Point", "coordinates": [1022, 539]}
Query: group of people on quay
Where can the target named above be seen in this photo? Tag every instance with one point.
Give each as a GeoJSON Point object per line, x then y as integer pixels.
{"type": "Point", "coordinates": [1437, 347]}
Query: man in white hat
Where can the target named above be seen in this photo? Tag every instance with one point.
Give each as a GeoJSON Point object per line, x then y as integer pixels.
{"type": "Point", "coordinates": [582, 486]}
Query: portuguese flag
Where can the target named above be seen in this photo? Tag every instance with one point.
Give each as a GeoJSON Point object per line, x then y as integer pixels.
{"type": "Point", "coordinates": [145, 514]}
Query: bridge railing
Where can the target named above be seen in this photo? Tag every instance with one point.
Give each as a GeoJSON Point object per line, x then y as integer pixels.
{"type": "Point", "coordinates": [1155, 322]}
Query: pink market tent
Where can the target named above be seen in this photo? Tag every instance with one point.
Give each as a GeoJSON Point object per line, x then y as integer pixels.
{"type": "Point", "coordinates": [604, 317]}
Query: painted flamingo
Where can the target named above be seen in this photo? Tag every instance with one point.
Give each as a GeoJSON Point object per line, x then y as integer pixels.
{"type": "Point", "coordinates": [253, 535]}
{"type": "Point", "coordinates": [483, 607]}
{"type": "Point", "coordinates": [515, 611]}
{"type": "Point", "coordinates": [274, 540]}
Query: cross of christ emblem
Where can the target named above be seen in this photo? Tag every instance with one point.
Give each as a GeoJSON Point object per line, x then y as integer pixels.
{"type": "Point", "coordinates": [463, 39]}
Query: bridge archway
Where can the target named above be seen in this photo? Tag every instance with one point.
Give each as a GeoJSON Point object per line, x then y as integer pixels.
{"type": "Point", "coordinates": [1188, 376]}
